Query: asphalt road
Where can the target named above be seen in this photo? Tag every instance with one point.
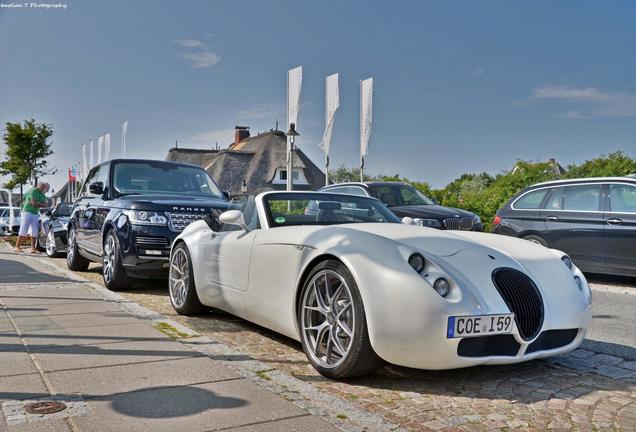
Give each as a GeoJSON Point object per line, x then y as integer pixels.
{"type": "Point", "coordinates": [613, 328]}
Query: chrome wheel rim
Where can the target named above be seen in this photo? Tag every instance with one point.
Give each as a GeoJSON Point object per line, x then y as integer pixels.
{"type": "Point", "coordinates": [71, 246]}
{"type": "Point", "coordinates": [179, 278]}
{"type": "Point", "coordinates": [50, 243]}
{"type": "Point", "coordinates": [109, 258]}
{"type": "Point", "coordinates": [328, 319]}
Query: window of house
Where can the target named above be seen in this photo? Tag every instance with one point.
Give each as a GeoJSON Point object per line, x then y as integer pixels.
{"type": "Point", "coordinates": [283, 175]}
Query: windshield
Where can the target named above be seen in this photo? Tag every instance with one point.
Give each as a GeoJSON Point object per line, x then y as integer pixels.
{"type": "Point", "coordinates": [5, 212]}
{"type": "Point", "coordinates": [394, 195]}
{"type": "Point", "coordinates": [162, 178]}
{"type": "Point", "coordinates": [63, 210]}
{"type": "Point", "coordinates": [286, 209]}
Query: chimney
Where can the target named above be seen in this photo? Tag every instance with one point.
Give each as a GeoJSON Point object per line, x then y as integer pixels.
{"type": "Point", "coordinates": [240, 133]}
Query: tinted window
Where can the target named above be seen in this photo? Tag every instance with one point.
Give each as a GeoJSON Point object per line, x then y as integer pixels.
{"type": "Point", "coordinates": [556, 200]}
{"type": "Point", "coordinates": [623, 198]}
{"type": "Point", "coordinates": [63, 210]}
{"type": "Point", "coordinates": [582, 198]}
{"type": "Point", "coordinates": [399, 195]}
{"type": "Point", "coordinates": [531, 200]}
{"type": "Point", "coordinates": [90, 179]}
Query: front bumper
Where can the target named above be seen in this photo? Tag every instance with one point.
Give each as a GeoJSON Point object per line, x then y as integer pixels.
{"type": "Point", "coordinates": [145, 249]}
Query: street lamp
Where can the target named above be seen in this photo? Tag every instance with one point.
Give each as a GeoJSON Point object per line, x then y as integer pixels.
{"type": "Point", "coordinates": [292, 134]}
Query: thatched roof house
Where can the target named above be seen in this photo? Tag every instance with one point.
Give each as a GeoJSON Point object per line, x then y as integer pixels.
{"type": "Point", "coordinates": [260, 161]}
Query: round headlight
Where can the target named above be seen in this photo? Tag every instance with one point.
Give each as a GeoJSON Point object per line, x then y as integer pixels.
{"type": "Point", "coordinates": [442, 286]}
{"type": "Point", "coordinates": [417, 262]}
{"type": "Point", "coordinates": [567, 261]}
{"type": "Point", "coordinates": [143, 215]}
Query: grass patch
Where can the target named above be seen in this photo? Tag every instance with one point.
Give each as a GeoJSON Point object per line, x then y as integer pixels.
{"type": "Point", "coordinates": [263, 374]}
{"type": "Point", "coordinates": [170, 331]}
{"type": "Point", "coordinates": [12, 239]}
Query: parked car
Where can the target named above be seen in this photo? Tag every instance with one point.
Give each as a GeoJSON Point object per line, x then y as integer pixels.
{"type": "Point", "coordinates": [357, 287]}
{"type": "Point", "coordinates": [52, 235]}
{"type": "Point", "coordinates": [5, 219]}
{"type": "Point", "coordinates": [591, 219]}
{"type": "Point", "coordinates": [406, 201]}
{"type": "Point", "coordinates": [130, 211]}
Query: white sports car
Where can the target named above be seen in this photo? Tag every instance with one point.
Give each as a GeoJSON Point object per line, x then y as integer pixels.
{"type": "Point", "coordinates": [357, 286]}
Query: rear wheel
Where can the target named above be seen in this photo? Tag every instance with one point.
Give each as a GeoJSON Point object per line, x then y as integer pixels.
{"type": "Point", "coordinates": [113, 271]}
{"type": "Point", "coordinates": [333, 323]}
{"type": "Point", "coordinates": [40, 241]}
{"type": "Point", "coordinates": [536, 239]}
{"type": "Point", "coordinates": [51, 249]}
{"type": "Point", "coordinates": [183, 293]}
{"type": "Point", "coordinates": [74, 260]}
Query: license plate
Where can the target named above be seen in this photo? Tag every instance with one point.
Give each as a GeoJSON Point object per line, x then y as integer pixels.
{"type": "Point", "coordinates": [479, 325]}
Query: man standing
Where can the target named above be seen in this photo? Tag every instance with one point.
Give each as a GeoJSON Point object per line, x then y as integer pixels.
{"type": "Point", "coordinates": [33, 201]}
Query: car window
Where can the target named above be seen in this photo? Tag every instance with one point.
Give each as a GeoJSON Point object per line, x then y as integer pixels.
{"type": "Point", "coordinates": [556, 200]}
{"type": "Point", "coordinates": [623, 198]}
{"type": "Point", "coordinates": [90, 179]}
{"type": "Point", "coordinates": [582, 198]}
{"type": "Point", "coordinates": [531, 200]}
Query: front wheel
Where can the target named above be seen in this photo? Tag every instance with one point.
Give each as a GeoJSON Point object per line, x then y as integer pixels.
{"type": "Point", "coordinates": [183, 293]}
{"type": "Point", "coordinates": [51, 249]}
{"type": "Point", "coordinates": [333, 323]}
{"type": "Point", "coordinates": [536, 239]}
{"type": "Point", "coordinates": [74, 260]}
{"type": "Point", "coordinates": [113, 271]}
{"type": "Point", "coordinates": [40, 242]}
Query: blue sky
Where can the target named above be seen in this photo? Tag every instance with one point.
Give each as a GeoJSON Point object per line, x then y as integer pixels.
{"type": "Point", "coordinates": [459, 86]}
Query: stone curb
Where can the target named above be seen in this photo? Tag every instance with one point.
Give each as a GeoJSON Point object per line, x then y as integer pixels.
{"type": "Point", "coordinates": [339, 412]}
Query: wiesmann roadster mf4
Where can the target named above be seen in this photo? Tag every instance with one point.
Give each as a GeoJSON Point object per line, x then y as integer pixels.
{"type": "Point", "coordinates": [357, 286]}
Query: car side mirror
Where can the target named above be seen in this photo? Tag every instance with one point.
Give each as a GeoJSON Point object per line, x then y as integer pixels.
{"type": "Point", "coordinates": [234, 217]}
{"type": "Point", "coordinates": [96, 188]}
{"type": "Point", "coordinates": [226, 194]}
{"type": "Point", "coordinates": [408, 221]}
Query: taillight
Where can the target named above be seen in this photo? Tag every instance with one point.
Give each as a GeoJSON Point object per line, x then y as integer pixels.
{"type": "Point", "coordinates": [497, 220]}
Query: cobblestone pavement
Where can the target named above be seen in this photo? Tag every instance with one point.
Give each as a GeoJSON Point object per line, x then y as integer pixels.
{"type": "Point", "coordinates": [581, 391]}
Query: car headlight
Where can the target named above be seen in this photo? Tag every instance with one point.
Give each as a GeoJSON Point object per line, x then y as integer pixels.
{"type": "Point", "coordinates": [431, 223]}
{"type": "Point", "coordinates": [417, 262]}
{"type": "Point", "coordinates": [476, 220]}
{"type": "Point", "coordinates": [143, 217]}
{"type": "Point", "coordinates": [567, 261]}
{"type": "Point", "coordinates": [442, 286]}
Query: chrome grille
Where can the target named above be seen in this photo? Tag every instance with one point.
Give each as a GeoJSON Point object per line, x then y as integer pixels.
{"type": "Point", "coordinates": [179, 221]}
{"type": "Point", "coordinates": [458, 224]}
{"type": "Point", "coordinates": [523, 299]}
{"type": "Point", "coordinates": [151, 242]}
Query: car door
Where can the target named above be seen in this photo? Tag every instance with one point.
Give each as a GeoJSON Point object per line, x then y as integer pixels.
{"type": "Point", "coordinates": [95, 214]}
{"type": "Point", "coordinates": [620, 226]}
{"type": "Point", "coordinates": [79, 216]}
{"type": "Point", "coordinates": [574, 222]}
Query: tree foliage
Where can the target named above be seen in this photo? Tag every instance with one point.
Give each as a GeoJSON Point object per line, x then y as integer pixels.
{"type": "Point", "coordinates": [484, 194]}
{"type": "Point", "coordinates": [26, 152]}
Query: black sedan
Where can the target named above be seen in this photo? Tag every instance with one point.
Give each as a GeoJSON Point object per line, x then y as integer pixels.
{"type": "Point", "coordinates": [591, 219]}
{"type": "Point", "coordinates": [406, 201]}
{"type": "Point", "coordinates": [52, 237]}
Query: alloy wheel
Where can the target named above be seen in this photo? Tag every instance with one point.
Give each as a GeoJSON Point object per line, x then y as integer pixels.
{"type": "Point", "coordinates": [50, 243]}
{"type": "Point", "coordinates": [179, 277]}
{"type": "Point", "coordinates": [328, 319]}
{"type": "Point", "coordinates": [109, 259]}
{"type": "Point", "coordinates": [70, 254]}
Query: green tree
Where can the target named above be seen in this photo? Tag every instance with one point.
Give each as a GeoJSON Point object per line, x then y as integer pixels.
{"type": "Point", "coordinates": [344, 174]}
{"type": "Point", "coordinates": [616, 164]}
{"type": "Point", "coordinates": [26, 152]}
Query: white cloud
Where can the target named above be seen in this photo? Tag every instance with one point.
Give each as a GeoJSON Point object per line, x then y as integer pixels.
{"type": "Point", "coordinates": [201, 59]}
{"type": "Point", "coordinates": [190, 43]}
{"type": "Point", "coordinates": [207, 139]}
{"type": "Point", "coordinates": [590, 101]}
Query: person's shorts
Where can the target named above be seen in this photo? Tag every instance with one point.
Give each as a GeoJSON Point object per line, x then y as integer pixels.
{"type": "Point", "coordinates": [29, 222]}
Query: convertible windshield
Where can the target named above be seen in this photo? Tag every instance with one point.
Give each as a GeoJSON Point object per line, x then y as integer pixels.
{"type": "Point", "coordinates": [63, 210]}
{"type": "Point", "coordinates": [394, 195]}
{"type": "Point", "coordinates": [286, 209]}
{"type": "Point", "coordinates": [162, 178]}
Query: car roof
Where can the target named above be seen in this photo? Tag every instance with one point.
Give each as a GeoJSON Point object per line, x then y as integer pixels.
{"type": "Point", "coordinates": [159, 161]}
{"type": "Point", "coordinates": [375, 183]}
{"type": "Point", "coordinates": [629, 178]}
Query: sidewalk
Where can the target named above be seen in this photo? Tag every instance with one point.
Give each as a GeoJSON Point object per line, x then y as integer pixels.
{"type": "Point", "coordinates": [61, 341]}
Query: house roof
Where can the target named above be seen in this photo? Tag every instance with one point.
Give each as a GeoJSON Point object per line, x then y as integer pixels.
{"type": "Point", "coordinates": [255, 160]}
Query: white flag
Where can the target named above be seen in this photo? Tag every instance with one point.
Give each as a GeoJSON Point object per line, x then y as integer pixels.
{"type": "Point", "coordinates": [107, 146]}
{"type": "Point", "coordinates": [84, 171]}
{"type": "Point", "coordinates": [294, 83]}
{"type": "Point", "coordinates": [100, 148]}
{"type": "Point", "coordinates": [332, 102]}
{"type": "Point", "coordinates": [366, 104]}
{"type": "Point", "coordinates": [91, 150]}
{"type": "Point", "coordinates": [124, 130]}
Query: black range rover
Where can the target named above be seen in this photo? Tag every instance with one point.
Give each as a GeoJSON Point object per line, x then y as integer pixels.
{"type": "Point", "coordinates": [130, 211]}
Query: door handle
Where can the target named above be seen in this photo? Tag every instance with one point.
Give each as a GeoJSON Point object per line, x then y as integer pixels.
{"type": "Point", "coordinates": [551, 218]}
{"type": "Point", "coordinates": [614, 221]}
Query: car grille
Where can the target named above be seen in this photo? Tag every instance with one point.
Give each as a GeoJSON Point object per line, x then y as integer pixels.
{"type": "Point", "coordinates": [458, 224]}
{"type": "Point", "coordinates": [151, 242]}
{"type": "Point", "coordinates": [486, 346]}
{"type": "Point", "coordinates": [179, 221]}
{"type": "Point", "coordinates": [523, 299]}
{"type": "Point", "coordinates": [552, 339]}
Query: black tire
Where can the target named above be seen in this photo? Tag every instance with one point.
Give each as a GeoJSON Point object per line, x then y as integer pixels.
{"type": "Point", "coordinates": [41, 247]}
{"type": "Point", "coordinates": [361, 359]}
{"type": "Point", "coordinates": [536, 239]}
{"type": "Point", "coordinates": [115, 278]}
{"type": "Point", "coordinates": [184, 302]}
{"type": "Point", "coordinates": [51, 253]}
{"type": "Point", "coordinates": [74, 260]}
